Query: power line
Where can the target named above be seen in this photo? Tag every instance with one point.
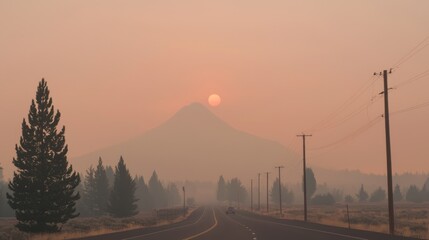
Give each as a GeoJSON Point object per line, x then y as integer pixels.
{"type": "Point", "coordinates": [418, 106]}
{"type": "Point", "coordinates": [349, 116]}
{"type": "Point", "coordinates": [351, 135]}
{"type": "Point", "coordinates": [412, 52]}
{"type": "Point", "coordinates": [321, 124]}
{"type": "Point", "coordinates": [412, 79]}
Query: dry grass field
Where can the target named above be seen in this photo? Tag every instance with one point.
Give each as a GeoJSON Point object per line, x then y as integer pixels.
{"type": "Point", "coordinates": [85, 226]}
{"type": "Point", "coordinates": [410, 219]}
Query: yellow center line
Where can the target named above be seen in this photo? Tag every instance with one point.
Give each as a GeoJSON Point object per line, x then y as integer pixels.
{"type": "Point", "coordinates": [206, 231]}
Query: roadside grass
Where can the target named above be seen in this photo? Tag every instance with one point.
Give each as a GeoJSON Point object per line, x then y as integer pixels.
{"type": "Point", "coordinates": [411, 220]}
{"type": "Point", "coordinates": [91, 226]}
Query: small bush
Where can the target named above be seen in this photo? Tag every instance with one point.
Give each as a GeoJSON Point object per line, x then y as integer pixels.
{"type": "Point", "coordinates": [378, 195]}
{"type": "Point", "coordinates": [349, 199]}
{"type": "Point", "coordinates": [323, 199]}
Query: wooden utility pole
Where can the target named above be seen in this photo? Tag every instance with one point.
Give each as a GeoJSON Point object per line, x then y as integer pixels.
{"type": "Point", "coordinates": [268, 202]}
{"type": "Point", "coordinates": [184, 201]}
{"type": "Point", "coordinates": [304, 175]}
{"type": "Point", "coordinates": [251, 194]}
{"type": "Point", "coordinates": [259, 192]}
{"type": "Point", "coordinates": [280, 191]}
{"type": "Point", "coordinates": [388, 153]}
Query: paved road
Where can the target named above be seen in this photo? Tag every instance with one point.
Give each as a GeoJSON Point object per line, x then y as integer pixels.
{"type": "Point", "coordinates": [211, 223]}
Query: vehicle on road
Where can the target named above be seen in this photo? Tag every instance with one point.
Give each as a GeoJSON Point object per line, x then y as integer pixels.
{"type": "Point", "coordinates": [230, 210]}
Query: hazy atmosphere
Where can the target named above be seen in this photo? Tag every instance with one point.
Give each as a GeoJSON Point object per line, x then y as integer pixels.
{"type": "Point", "coordinates": [182, 117]}
{"type": "Point", "coordinates": [117, 70]}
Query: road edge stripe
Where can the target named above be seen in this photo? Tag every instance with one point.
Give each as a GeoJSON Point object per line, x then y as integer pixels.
{"type": "Point", "coordinates": [309, 229]}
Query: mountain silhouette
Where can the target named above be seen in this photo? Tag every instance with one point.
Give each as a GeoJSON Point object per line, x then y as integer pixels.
{"type": "Point", "coordinates": [194, 144]}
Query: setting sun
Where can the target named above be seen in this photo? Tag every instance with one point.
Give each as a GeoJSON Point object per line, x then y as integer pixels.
{"type": "Point", "coordinates": [214, 100]}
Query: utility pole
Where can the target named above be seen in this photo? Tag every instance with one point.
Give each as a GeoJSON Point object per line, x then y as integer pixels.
{"type": "Point", "coordinates": [388, 152]}
{"type": "Point", "coordinates": [280, 191]}
{"type": "Point", "coordinates": [305, 175]}
{"type": "Point", "coordinates": [268, 202]}
{"type": "Point", "coordinates": [259, 192]}
{"type": "Point", "coordinates": [184, 202]}
{"type": "Point", "coordinates": [238, 198]}
{"type": "Point", "coordinates": [251, 194]}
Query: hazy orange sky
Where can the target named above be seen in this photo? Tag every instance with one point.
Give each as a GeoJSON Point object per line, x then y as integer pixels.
{"type": "Point", "coordinates": [118, 68]}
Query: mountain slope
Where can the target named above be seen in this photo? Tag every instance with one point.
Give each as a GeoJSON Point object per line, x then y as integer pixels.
{"type": "Point", "coordinates": [196, 145]}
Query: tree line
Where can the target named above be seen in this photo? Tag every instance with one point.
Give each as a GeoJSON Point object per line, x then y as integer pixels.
{"type": "Point", "coordinates": [120, 195]}
{"type": "Point", "coordinates": [231, 191]}
{"type": "Point", "coordinates": [46, 192]}
{"type": "Point", "coordinates": [328, 197]}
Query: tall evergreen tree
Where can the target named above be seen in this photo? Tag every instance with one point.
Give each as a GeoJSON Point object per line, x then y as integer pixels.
{"type": "Point", "coordinates": [311, 183]}
{"type": "Point", "coordinates": [378, 195]}
{"type": "Point", "coordinates": [414, 194]}
{"type": "Point", "coordinates": [287, 196]}
{"type": "Point", "coordinates": [145, 199]}
{"type": "Point", "coordinates": [173, 196]}
{"type": "Point", "coordinates": [43, 187]}
{"type": "Point", "coordinates": [362, 195]}
{"type": "Point", "coordinates": [110, 175]}
{"type": "Point", "coordinates": [397, 195]}
{"type": "Point", "coordinates": [101, 184]}
{"type": "Point", "coordinates": [89, 192]}
{"type": "Point", "coordinates": [157, 191]}
{"type": "Point", "coordinates": [221, 189]}
{"type": "Point", "coordinates": [236, 191]}
{"type": "Point", "coordinates": [122, 200]}
{"type": "Point", "coordinates": [1, 173]}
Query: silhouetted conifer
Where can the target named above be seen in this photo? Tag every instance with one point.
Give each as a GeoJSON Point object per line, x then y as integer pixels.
{"type": "Point", "coordinates": [236, 191]}
{"type": "Point", "coordinates": [110, 175]}
{"type": "Point", "coordinates": [145, 199]}
{"type": "Point", "coordinates": [378, 195]}
{"type": "Point", "coordinates": [173, 196]}
{"type": "Point", "coordinates": [43, 187]}
{"type": "Point", "coordinates": [397, 195]}
{"type": "Point", "coordinates": [89, 192]}
{"type": "Point", "coordinates": [362, 195]}
{"type": "Point", "coordinates": [122, 199]}
{"type": "Point", "coordinates": [414, 194]}
{"type": "Point", "coordinates": [1, 173]}
{"type": "Point", "coordinates": [157, 191]}
{"type": "Point", "coordinates": [311, 183]}
{"type": "Point", "coordinates": [221, 189]}
{"type": "Point", "coordinates": [102, 191]}
{"type": "Point", "coordinates": [287, 196]}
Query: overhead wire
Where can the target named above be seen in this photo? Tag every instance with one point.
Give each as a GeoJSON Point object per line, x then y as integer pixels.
{"type": "Point", "coordinates": [412, 79]}
{"type": "Point", "coordinates": [416, 49]}
{"type": "Point", "coordinates": [350, 136]}
{"type": "Point", "coordinates": [321, 124]}
{"type": "Point", "coordinates": [349, 116]}
{"type": "Point", "coordinates": [418, 106]}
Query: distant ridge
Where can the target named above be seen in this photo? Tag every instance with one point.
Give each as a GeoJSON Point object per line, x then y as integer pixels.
{"type": "Point", "coordinates": [194, 144]}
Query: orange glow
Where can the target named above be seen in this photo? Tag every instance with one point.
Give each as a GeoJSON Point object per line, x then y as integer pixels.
{"type": "Point", "coordinates": [214, 100]}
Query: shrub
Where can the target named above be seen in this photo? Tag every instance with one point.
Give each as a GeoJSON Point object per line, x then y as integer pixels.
{"type": "Point", "coordinates": [323, 199]}
{"type": "Point", "coordinates": [378, 195]}
{"type": "Point", "coordinates": [349, 199]}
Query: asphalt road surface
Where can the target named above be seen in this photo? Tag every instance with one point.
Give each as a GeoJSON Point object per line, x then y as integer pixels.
{"type": "Point", "coordinates": [212, 223]}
